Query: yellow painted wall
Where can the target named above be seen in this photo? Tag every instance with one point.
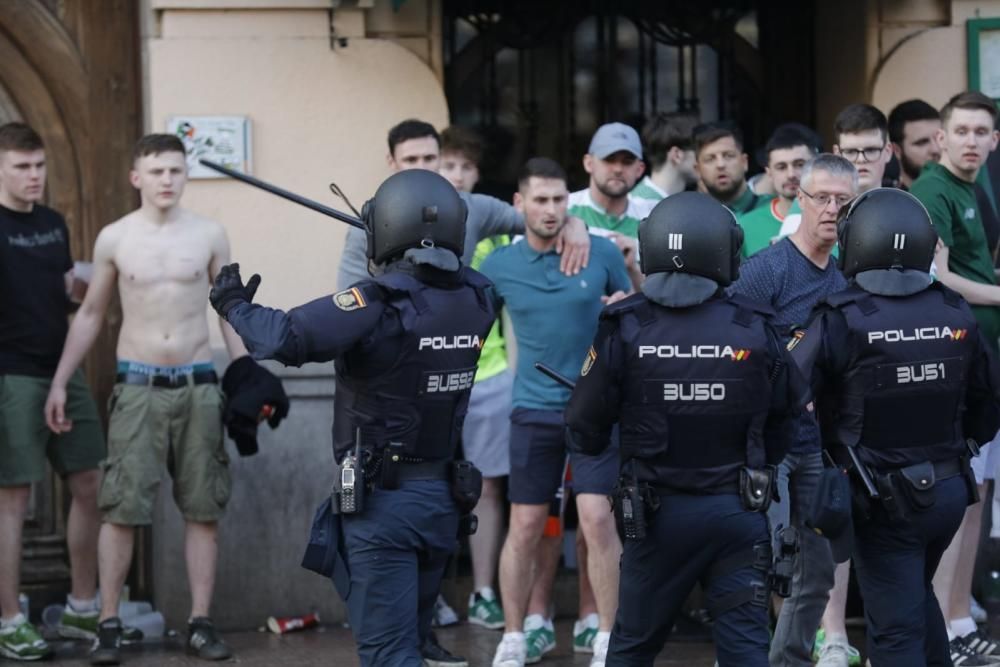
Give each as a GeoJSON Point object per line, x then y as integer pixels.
{"type": "Point", "coordinates": [319, 114]}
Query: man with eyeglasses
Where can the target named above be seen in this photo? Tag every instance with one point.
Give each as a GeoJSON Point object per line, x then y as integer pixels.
{"type": "Point", "coordinates": [964, 263]}
{"type": "Point", "coordinates": [793, 275]}
{"type": "Point", "coordinates": [862, 137]}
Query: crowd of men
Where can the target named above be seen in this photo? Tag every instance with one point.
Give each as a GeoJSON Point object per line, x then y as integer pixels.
{"type": "Point", "coordinates": [670, 253]}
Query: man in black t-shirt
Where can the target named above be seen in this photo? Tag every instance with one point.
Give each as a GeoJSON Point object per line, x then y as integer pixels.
{"type": "Point", "coordinates": [35, 275]}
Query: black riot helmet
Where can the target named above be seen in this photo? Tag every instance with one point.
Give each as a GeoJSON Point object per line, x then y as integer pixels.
{"type": "Point", "coordinates": [885, 228]}
{"type": "Point", "coordinates": [414, 208]}
{"type": "Point", "coordinates": [690, 232]}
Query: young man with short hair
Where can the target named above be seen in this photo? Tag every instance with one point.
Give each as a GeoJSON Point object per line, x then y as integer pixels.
{"type": "Point", "coordinates": [541, 301]}
{"type": "Point", "coordinates": [36, 270]}
{"type": "Point", "coordinates": [913, 127]}
{"type": "Point", "coordinates": [787, 153]}
{"type": "Point", "coordinates": [721, 165]}
{"type": "Point", "coordinates": [964, 263]}
{"type": "Point", "coordinates": [166, 407]}
{"type": "Point", "coordinates": [666, 138]}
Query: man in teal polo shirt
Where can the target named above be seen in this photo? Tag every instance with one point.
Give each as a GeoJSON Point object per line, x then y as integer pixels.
{"type": "Point", "coordinates": [721, 165]}
{"type": "Point", "coordinates": [555, 318]}
{"type": "Point", "coordinates": [965, 264]}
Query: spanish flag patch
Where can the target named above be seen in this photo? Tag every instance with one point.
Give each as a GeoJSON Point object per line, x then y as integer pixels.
{"type": "Point", "coordinates": [349, 299]}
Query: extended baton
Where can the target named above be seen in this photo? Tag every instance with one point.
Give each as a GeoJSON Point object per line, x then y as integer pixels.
{"type": "Point", "coordinates": [555, 375]}
{"type": "Point", "coordinates": [281, 192]}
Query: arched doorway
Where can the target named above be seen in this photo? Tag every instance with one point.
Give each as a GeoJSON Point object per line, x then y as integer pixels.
{"type": "Point", "coordinates": [71, 71]}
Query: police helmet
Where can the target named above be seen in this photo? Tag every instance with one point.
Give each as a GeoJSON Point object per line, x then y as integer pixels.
{"type": "Point", "coordinates": [885, 228]}
{"type": "Point", "coordinates": [690, 232]}
{"type": "Point", "coordinates": [414, 208]}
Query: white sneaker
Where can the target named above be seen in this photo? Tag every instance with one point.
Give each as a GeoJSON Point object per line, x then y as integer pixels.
{"type": "Point", "coordinates": [833, 654]}
{"type": "Point", "coordinates": [511, 651]}
{"type": "Point", "coordinates": [601, 641]}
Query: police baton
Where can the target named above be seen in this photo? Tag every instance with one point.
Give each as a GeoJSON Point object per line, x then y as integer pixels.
{"type": "Point", "coordinates": [866, 479]}
{"type": "Point", "coordinates": [281, 192]}
{"type": "Point", "coordinates": [555, 375]}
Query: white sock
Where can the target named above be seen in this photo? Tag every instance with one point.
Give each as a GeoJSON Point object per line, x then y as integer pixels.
{"type": "Point", "coordinates": [836, 639]}
{"type": "Point", "coordinates": [549, 626]}
{"type": "Point", "coordinates": [487, 593]}
{"type": "Point", "coordinates": [516, 635]}
{"type": "Point", "coordinates": [533, 622]}
{"type": "Point", "coordinates": [591, 620]}
{"type": "Point", "coordinates": [14, 621]}
{"type": "Point", "coordinates": [962, 626]}
{"type": "Point", "coordinates": [82, 605]}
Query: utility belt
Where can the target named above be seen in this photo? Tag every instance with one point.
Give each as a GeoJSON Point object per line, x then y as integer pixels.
{"type": "Point", "coordinates": [632, 501]}
{"type": "Point", "coordinates": [908, 490]}
{"type": "Point", "coordinates": [362, 471]}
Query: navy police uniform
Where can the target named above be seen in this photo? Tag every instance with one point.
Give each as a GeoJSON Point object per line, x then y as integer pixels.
{"type": "Point", "coordinates": [406, 344]}
{"type": "Point", "coordinates": [902, 376]}
{"type": "Point", "coordinates": [703, 394]}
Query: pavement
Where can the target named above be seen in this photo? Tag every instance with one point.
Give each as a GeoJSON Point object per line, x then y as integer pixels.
{"type": "Point", "coordinates": [333, 646]}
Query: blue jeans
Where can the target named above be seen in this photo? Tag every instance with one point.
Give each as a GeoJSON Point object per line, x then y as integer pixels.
{"type": "Point", "coordinates": [812, 579]}
{"type": "Point", "coordinates": [895, 562]}
{"type": "Point", "coordinates": [685, 537]}
{"type": "Point", "coordinates": [397, 550]}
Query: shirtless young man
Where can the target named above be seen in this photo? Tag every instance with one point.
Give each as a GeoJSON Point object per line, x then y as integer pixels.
{"type": "Point", "coordinates": [166, 405]}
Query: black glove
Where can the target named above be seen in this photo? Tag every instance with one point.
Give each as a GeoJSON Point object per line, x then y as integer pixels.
{"type": "Point", "coordinates": [250, 389]}
{"type": "Point", "coordinates": [229, 290]}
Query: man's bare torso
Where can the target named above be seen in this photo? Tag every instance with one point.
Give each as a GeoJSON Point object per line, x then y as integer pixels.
{"type": "Point", "coordinates": [164, 271]}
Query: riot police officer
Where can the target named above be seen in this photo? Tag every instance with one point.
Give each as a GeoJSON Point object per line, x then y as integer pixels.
{"type": "Point", "coordinates": [703, 393]}
{"type": "Point", "coordinates": [406, 344]}
{"type": "Point", "coordinates": [901, 376]}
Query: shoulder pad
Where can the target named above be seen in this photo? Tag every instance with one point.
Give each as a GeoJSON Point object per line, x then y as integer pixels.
{"type": "Point", "coordinates": [397, 281]}
{"type": "Point", "coordinates": [474, 278]}
{"type": "Point", "coordinates": [950, 296]}
{"type": "Point", "coordinates": [846, 296]}
{"type": "Point", "coordinates": [751, 305]}
{"type": "Point", "coordinates": [627, 304]}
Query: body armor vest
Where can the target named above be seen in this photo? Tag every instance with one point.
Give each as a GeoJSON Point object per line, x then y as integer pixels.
{"type": "Point", "coordinates": [421, 400]}
{"type": "Point", "coordinates": [697, 393]}
{"type": "Point", "coordinates": [902, 398]}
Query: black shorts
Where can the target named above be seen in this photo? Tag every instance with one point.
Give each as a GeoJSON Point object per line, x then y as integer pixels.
{"type": "Point", "coordinates": [538, 455]}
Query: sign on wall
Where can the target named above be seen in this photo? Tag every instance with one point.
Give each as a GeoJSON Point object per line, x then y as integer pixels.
{"type": "Point", "coordinates": [984, 55]}
{"type": "Point", "coordinates": [222, 139]}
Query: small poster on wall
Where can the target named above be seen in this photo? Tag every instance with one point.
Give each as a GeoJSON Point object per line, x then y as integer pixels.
{"type": "Point", "coordinates": [222, 139]}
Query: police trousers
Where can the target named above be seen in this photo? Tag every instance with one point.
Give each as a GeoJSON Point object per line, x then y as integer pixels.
{"type": "Point", "coordinates": [397, 550]}
{"type": "Point", "coordinates": [895, 562]}
{"type": "Point", "coordinates": [685, 537]}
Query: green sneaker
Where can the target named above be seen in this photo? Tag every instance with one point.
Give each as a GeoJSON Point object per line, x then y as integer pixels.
{"type": "Point", "coordinates": [83, 625]}
{"type": "Point", "coordinates": [584, 631]}
{"type": "Point", "coordinates": [853, 655]}
{"type": "Point", "coordinates": [540, 639]}
{"type": "Point", "coordinates": [21, 641]}
{"type": "Point", "coordinates": [484, 609]}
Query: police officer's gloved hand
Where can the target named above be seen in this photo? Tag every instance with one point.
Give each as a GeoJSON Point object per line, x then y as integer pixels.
{"type": "Point", "coordinates": [252, 393]}
{"type": "Point", "coordinates": [228, 291]}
